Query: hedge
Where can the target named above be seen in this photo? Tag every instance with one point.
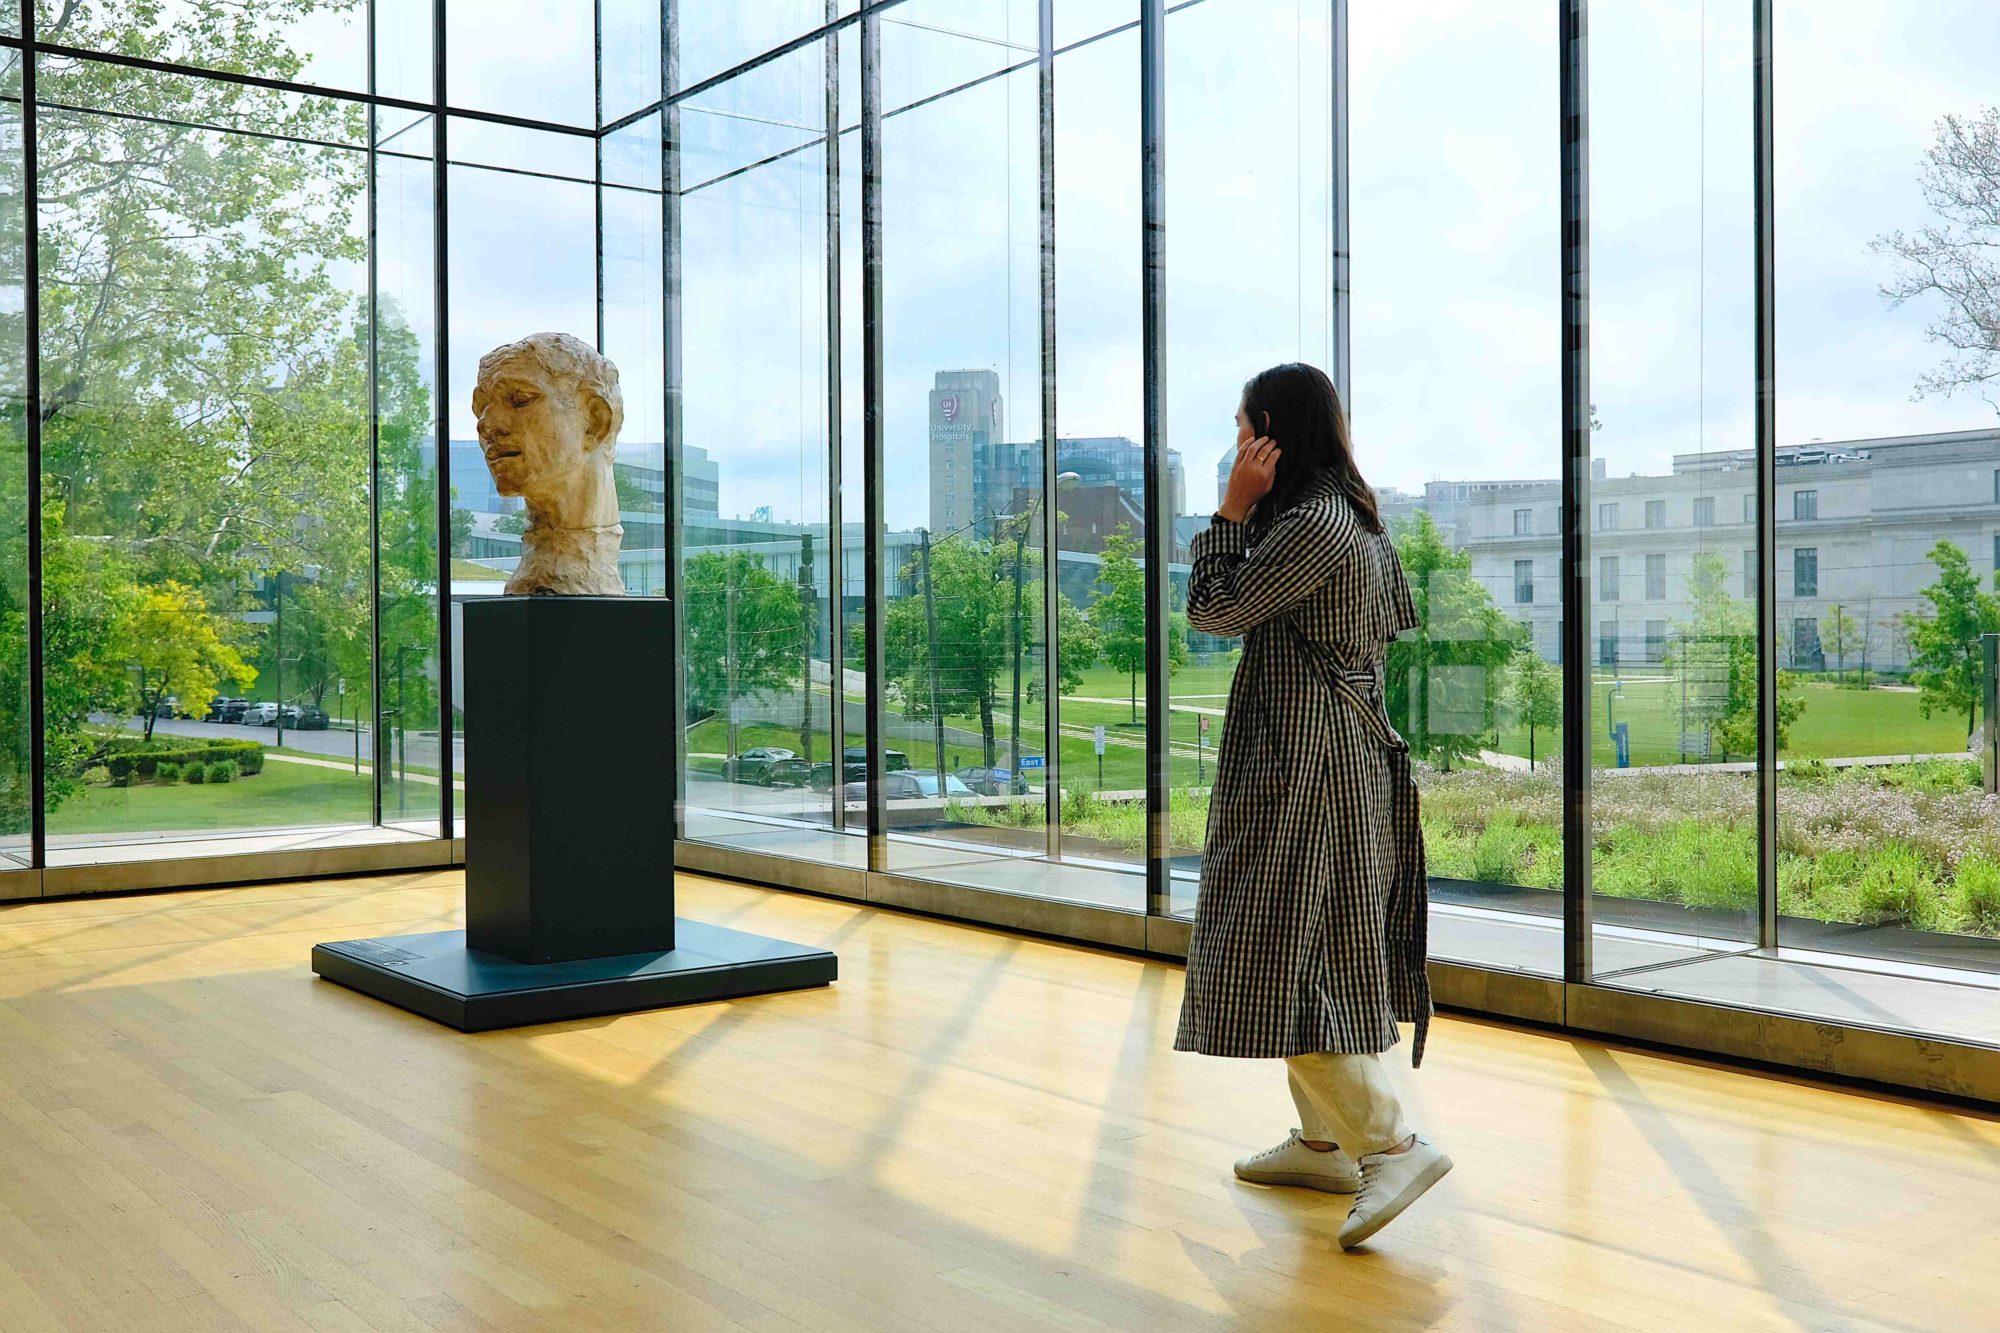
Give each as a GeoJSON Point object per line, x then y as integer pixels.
{"type": "Point", "coordinates": [128, 757]}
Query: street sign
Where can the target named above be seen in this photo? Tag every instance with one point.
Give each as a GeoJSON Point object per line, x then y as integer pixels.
{"type": "Point", "coordinates": [1204, 722]}
{"type": "Point", "coordinates": [1097, 739]}
{"type": "Point", "coordinates": [1033, 761]}
{"type": "Point", "coordinates": [343, 685]}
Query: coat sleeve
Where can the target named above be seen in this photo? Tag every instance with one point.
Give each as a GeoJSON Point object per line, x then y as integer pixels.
{"type": "Point", "coordinates": [1233, 589]}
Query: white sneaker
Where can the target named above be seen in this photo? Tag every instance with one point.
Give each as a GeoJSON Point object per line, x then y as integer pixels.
{"type": "Point", "coordinates": [1292, 1163]}
{"type": "Point", "coordinates": [1391, 1182]}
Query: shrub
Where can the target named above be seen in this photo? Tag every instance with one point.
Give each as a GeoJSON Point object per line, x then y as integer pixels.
{"type": "Point", "coordinates": [1809, 769]}
{"type": "Point", "coordinates": [222, 771]}
{"type": "Point", "coordinates": [196, 774]}
{"type": "Point", "coordinates": [1976, 895]}
{"type": "Point", "coordinates": [166, 771]}
{"type": "Point", "coordinates": [251, 762]}
{"type": "Point", "coordinates": [128, 756]}
{"type": "Point", "coordinates": [97, 775]}
{"type": "Point", "coordinates": [1502, 851]}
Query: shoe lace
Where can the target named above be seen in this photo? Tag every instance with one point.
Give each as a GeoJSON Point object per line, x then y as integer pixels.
{"type": "Point", "coordinates": [1269, 1153]}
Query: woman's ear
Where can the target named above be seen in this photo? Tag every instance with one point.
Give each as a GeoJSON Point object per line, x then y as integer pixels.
{"type": "Point", "coordinates": [1266, 432]}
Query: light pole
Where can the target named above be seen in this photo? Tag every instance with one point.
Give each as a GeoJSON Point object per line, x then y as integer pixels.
{"type": "Point", "coordinates": [1064, 481]}
{"type": "Point", "coordinates": [931, 638]}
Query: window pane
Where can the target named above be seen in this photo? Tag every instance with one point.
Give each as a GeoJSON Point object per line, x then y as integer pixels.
{"type": "Point", "coordinates": [317, 41]}
{"type": "Point", "coordinates": [1885, 424]}
{"type": "Point", "coordinates": [1674, 722]}
{"type": "Point", "coordinates": [404, 743]}
{"type": "Point", "coordinates": [16, 783]}
{"type": "Point", "coordinates": [761, 663]}
{"type": "Point", "coordinates": [1242, 127]}
{"type": "Point", "coordinates": [205, 457]}
{"type": "Point", "coordinates": [522, 57]}
{"type": "Point", "coordinates": [1452, 109]}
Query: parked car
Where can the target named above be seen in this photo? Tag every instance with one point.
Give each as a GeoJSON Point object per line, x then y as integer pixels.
{"type": "Point", "coordinates": [793, 772]}
{"type": "Point", "coordinates": [854, 767]}
{"type": "Point", "coordinates": [996, 781]}
{"type": "Point", "coordinates": [907, 786]}
{"type": "Point", "coordinates": [169, 707]}
{"type": "Point", "coordinates": [266, 715]}
{"type": "Point", "coordinates": [223, 708]}
{"type": "Point", "coordinates": [312, 718]}
{"type": "Point", "coordinates": [750, 765]}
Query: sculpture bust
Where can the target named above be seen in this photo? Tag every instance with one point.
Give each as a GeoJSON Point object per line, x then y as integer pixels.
{"type": "Point", "coordinates": [549, 411]}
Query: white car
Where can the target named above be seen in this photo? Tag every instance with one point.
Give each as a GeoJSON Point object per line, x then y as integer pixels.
{"type": "Point", "coordinates": [261, 715]}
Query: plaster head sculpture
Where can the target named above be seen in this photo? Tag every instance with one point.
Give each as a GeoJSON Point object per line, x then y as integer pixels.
{"type": "Point", "coordinates": [549, 411]}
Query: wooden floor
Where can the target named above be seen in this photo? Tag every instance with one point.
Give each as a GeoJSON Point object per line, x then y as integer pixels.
{"type": "Point", "coordinates": [969, 1131]}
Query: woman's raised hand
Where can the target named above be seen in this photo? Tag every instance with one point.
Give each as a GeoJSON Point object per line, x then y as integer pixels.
{"type": "Point", "coordinates": [1250, 480]}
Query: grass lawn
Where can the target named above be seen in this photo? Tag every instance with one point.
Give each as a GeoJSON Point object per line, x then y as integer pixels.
{"type": "Point", "coordinates": [282, 795]}
{"type": "Point", "coordinates": [1836, 723]}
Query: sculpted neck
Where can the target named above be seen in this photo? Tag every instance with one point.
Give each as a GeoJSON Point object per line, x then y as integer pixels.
{"type": "Point", "coordinates": [572, 538]}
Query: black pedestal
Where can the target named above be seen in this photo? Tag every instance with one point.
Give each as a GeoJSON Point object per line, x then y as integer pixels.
{"type": "Point", "coordinates": [569, 891]}
{"type": "Point", "coordinates": [437, 976]}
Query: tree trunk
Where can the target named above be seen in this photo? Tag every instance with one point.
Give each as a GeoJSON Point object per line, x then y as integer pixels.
{"type": "Point", "coordinates": [1135, 695]}
{"type": "Point", "coordinates": [1531, 747]}
{"type": "Point", "coordinates": [986, 726]}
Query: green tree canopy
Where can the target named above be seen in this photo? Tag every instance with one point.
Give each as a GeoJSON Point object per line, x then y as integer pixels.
{"type": "Point", "coordinates": [1118, 613]}
{"type": "Point", "coordinates": [1446, 677]}
{"type": "Point", "coordinates": [741, 630]}
{"type": "Point", "coordinates": [1944, 642]}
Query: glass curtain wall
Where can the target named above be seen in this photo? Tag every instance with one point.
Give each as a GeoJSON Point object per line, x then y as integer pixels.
{"type": "Point", "coordinates": [250, 538]}
{"type": "Point", "coordinates": [241, 493]}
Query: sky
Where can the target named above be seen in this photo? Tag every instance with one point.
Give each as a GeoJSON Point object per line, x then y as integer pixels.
{"type": "Point", "coordinates": [1454, 226]}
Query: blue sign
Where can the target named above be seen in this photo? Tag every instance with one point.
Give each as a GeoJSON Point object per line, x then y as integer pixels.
{"type": "Point", "coordinates": [1032, 761]}
{"type": "Point", "coordinates": [1624, 742]}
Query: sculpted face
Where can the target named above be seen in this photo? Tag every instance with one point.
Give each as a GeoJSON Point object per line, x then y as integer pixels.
{"type": "Point", "coordinates": [533, 430]}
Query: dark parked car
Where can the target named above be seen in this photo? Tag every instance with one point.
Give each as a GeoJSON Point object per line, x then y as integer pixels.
{"type": "Point", "coordinates": [995, 781]}
{"type": "Point", "coordinates": [312, 718]}
{"type": "Point", "coordinates": [222, 708]}
{"type": "Point", "coordinates": [854, 767]}
{"type": "Point", "coordinates": [788, 773]}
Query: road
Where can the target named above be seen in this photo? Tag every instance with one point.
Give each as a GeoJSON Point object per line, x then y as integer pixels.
{"type": "Point", "coordinates": [421, 746]}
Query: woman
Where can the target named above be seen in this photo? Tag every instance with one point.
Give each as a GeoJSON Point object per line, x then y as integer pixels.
{"type": "Point", "coordinates": [1309, 934]}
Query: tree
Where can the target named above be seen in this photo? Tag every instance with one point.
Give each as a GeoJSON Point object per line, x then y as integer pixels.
{"type": "Point", "coordinates": [1118, 613]}
{"type": "Point", "coordinates": [1954, 258]}
{"type": "Point", "coordinates": [1839, 635]}
{"type": "Point", "coordinates": [1715, 651]}
{"type": "Point", "coordinates": [741, 625]}
{"type": "Point", "coordinates": [1446, 677]}
{"type": "Point", "coordinates": [180, 649]}
{"type": "Point", "coordinates": [1535, 693]}
{"type": "Point", "coordinates": [206, 364]}
{"type": "Point", "coordinates": [1944, 643]}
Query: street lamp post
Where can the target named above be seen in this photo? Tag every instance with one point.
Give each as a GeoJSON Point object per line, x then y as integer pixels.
{"type": "Point", "coordinates": [1064, 481]}
{"type": "Point", "coordinates": [930, 624]}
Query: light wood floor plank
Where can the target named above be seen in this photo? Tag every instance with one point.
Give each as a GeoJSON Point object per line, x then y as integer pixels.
{"type": "Point", "coordinates": [970, 1131]}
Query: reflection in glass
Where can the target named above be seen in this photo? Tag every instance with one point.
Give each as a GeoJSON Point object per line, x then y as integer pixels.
{"type": "Point", "coordinates": [1673, 698]}
{"type": "Point", "coordinates": [1887, 138]}
{"type": "Point", "coordinates": [403, 741]}
{"type": "Point", "coordinates": [1249, 285]}
{"type": "Point", "coordinates": [16, 782]}
{"type": "Point", "coordinates": [1456, 410]}
{"type": "Point", "coordinates": [322, 42]}
{"type": "Point", "coordinates": [205, 454]}
{"type": "Point", "coordinates": [760, 651]}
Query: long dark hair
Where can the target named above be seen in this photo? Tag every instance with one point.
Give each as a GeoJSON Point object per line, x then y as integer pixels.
{"type": "Point", "coordinates": [1297, 406]}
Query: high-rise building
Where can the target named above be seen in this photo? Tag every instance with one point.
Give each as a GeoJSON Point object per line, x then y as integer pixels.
{"type": "Point", "coordinates": [701, 492]}
{"type": "Point", "coordinates": [1002, 470]}
{"type": "Point", "coordinates": [965, 418]}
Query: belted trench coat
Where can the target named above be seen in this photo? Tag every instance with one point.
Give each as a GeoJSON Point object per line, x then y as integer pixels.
{"type": "Point", "coordinates": [1310, 929]}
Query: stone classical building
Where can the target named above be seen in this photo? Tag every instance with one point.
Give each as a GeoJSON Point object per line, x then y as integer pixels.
{"type": "Point", "coordinates": [1856, 522]}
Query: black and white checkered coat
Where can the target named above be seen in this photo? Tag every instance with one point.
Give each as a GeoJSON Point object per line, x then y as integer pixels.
{"type": "Point", "coordinates": [1309, 934]}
